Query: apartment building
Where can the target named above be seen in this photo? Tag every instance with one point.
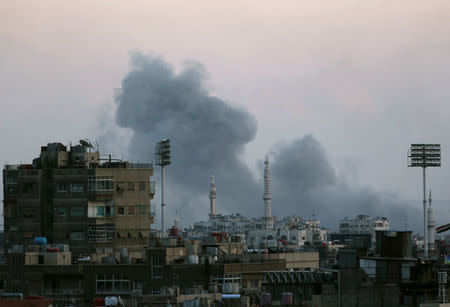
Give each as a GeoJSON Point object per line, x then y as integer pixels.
{"type": "Point", "coordinates": [72, 196]}
{"type": "Point", "coordinates": [363, 224]}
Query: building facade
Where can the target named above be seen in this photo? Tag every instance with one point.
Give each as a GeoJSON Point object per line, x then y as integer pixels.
{"type": "Point", "coordinates": [363, 224]}
{"type": "Point", "coordinates": [75, 197]}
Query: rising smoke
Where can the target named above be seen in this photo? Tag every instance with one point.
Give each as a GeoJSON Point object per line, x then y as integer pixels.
{"type": "Point", "coordinates": [209, 137]}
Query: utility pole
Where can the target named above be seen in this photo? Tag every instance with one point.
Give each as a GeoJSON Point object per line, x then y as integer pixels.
{"type": "Point", "coordinates": [162, 155]}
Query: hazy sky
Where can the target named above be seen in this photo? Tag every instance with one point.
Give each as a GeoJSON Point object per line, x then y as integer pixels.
{"type": "Point", "coordinates": [366, 78]}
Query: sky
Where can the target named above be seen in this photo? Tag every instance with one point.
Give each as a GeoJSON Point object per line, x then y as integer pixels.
{"type": "Point", "coordinates": [365, 79]}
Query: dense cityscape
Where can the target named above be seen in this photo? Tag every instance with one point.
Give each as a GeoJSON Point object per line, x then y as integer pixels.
{"type": "Point", "coordinates": [234, 153]}
{"type": "Point", "coordinates": [80, 231]}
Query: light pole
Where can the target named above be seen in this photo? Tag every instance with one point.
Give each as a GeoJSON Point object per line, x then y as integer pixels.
{"type": "Point", "coordinates": [424, 155]}
{"type": "Point", "coordinates": [162, 158]}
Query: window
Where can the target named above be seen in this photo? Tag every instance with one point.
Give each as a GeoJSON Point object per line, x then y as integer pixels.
{"type": "Point", "coordinates": [76, 187]}
{"type": "Point", "coordinates": [76, 211]}
{"type": "Point", "coordinates": [11, 188]}
{"type": "Point", "coordinates": [101, 211]}
{"type": "Point", "coordinates": [101, 184]}
{"type": "Point", "coordinates": [131, 210]}
{"type": "Point", "coordinates": [130, 186]}
{"type": "Point", "coordinates": [109, 211]}
{"type": "Point", "coordinates": [61, 187]}
{"type": "Point", "coordinates": [61, 211]}
{"type": "Point", "coordinates": [142, 186]}
{"type": "Point", "coordinates": [121, 211]}
{"type": "Point", "coordinates": [141, 210]}
{"type": "Point", "coordinates": [254, 283]}
{"type": "Point", "coordinates": [101, 233]}
{"type": "Point", "coordinates": [77, 236]}
{"type": "Point", "coordinates": [11, 185]}
{"type": "Point", "coordinates": [30, 212]}
{"type": "Point", "coordinates": [112, 283]}
{"type": "Point", "coordinates": [156, 267]}
{"type": "Point", "coordinates": [156, 291]}
{"type": "Point", "coordinates": [53, 284]}
{"type": "Point", "coordinates": [29, 187]}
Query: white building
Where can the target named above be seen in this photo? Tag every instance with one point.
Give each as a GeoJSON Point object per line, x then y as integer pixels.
{"type": "Point", "coordinates": [364, 224]}
{"type": "Point", "coordinates": [285, 233]}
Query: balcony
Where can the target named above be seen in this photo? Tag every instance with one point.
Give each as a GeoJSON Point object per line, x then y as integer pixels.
{"type": "Point", "coordinates": [101, 185]}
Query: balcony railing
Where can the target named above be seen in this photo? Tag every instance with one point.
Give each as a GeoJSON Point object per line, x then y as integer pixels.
{"type": "Point", "coordinates": [141, 165]}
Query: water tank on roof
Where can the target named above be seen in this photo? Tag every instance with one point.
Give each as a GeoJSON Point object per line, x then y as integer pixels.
{"type": "Point", "coordinates": [40, 240]}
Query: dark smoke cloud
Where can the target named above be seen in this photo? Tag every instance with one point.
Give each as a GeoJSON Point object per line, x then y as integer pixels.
{"type": "Point", "coordinates": [304, 182]}
{"type": "Point", "coordinates": [209, 136]}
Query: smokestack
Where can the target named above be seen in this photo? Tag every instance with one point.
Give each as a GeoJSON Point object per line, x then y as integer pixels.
{"type": "Point", "coordinates": [212, 198]}
{"type": "Point", "coordinates": [267, 194]}
{"type": "Point", "coordinates": [431, 225]}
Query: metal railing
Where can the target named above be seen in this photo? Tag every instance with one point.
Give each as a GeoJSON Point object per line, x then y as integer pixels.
{"type": "Point", "coordinates": [141, 165]}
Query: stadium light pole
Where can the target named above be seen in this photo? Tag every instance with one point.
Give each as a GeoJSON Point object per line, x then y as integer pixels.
{"type": "Point", "coordinates": [162, 158]}
{"type": "Point", "coordinates": [424, 155]}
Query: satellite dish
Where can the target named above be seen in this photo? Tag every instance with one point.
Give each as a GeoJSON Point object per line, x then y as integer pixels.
{"type": "Point", "coordinates": [86, 143]}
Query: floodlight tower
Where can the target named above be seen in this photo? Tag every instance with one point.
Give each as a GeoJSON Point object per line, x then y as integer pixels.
{"type": "Point", "coordinates": [162, 158]}
{"type": "Point", "coordinates": [424, 155]}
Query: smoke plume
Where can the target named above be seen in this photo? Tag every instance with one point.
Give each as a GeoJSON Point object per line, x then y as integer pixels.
{"type": "Point", "coordinates": [305, 183]}
{"type": "Point", "coordinates": [209, 136]}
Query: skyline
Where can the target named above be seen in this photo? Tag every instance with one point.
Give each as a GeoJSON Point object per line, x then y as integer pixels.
{"type": "Point", "coordinates": [365, 80]}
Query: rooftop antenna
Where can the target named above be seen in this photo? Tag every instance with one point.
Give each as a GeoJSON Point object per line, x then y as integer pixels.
{"type": "Point", "coordinates": [86, 143]}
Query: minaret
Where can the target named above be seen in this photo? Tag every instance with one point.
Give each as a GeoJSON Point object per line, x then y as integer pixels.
{"type": "Point", "coordinates": [431, 225]}
{"type": "Point", "coordinates": [267, 194]}
{"type": "Point", "coordinates": [212, 198]}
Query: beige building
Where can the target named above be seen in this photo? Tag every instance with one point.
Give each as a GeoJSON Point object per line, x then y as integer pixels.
{"type": "Point", "coordinates": [97, 206]}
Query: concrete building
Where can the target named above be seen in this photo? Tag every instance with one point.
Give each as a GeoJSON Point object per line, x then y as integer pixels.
{"type": "Point", "coordinates": [283, 233]}
{"type": "Point", "coordinates": [363, 224]}
{"type": "Point", "coordinates": [183, 272]}
{"type": "Point", "coordinates": [75, 197]}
